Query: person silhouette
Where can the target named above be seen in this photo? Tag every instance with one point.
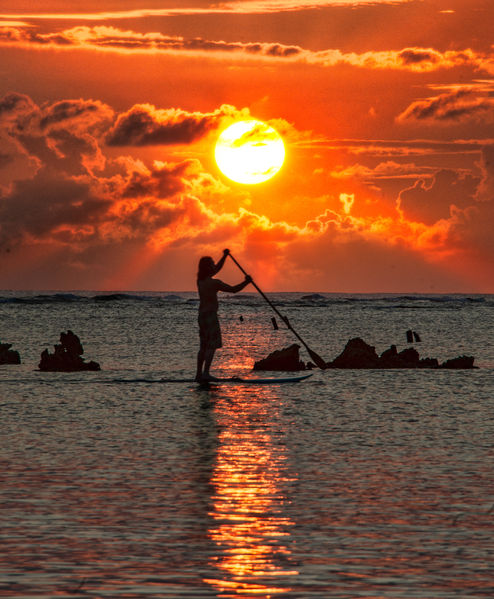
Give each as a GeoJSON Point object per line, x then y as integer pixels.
{"type": "Point", "coordinates": [209, 326]}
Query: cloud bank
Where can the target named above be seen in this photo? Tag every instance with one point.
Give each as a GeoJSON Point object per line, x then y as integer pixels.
{"type": "Point", "coordinates": [93, 212]}
{"type": "Point", "coordinates": [112, 39]}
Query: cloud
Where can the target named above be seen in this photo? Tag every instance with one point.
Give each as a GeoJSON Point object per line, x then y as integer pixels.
{"type": "Point", "coordinates": [13, 106]}
{"type": "Point", "coordinates": [485, 190]}
{"type": "Point", "coordinates": [19, 115]}
{"type": "Point", "coordinates": [394, 147]}
{"type": "Point", "coordinates": [470, 227]}
{"type": "Point", "coordinates": [457, 106]}
{"type": "Point", "coordinates": [436, 199]}
{"type": "Point", "coordinates": [87, 209]}
{"type": "Point", "coordinates": [384, 170]}
{"type": "Point", "coordinates": [112, 39]}
{"type": "Point", "coordinates": [236, 7]}
{"type": "Point", "coordinates": [61, 134]}
{"type": "Point", "coordinates": [144, 125]}
{"type": "Point", "coordinates": [89, 115]}
{"type": "Point", "coordinates": [5, 159]}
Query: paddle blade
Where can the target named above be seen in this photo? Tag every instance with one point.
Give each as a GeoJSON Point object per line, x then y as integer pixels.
{"type": "Point", "coordinates": [318, 361]}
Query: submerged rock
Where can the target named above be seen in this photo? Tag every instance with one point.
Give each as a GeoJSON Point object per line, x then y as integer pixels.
{"type": "Point", "coordinates": [67, 356]}
{"type": "Point", "coordinates": [7, 355]}
{"type": "Point", "coordinates": [282, 359]}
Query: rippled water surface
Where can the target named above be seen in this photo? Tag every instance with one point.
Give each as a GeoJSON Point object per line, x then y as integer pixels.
{"type": "Point", "coordinates": [356, 483]}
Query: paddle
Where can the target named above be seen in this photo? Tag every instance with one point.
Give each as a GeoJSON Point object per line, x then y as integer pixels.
{"type": "Point", "coordinates": [316, 358]}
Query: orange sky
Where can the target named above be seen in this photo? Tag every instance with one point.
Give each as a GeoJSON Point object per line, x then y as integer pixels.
{"type": "Point", "coordinates": [110, 110]}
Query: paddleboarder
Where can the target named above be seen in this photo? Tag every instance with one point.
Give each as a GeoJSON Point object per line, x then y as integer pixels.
{"type": "Point", "coordinates": [209, 326]}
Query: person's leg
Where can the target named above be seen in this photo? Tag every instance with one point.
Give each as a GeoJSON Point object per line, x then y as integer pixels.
{"type": "Point", "coordinates": [200, 362]}
{"type": "Point", "coordinates": [208, 358]}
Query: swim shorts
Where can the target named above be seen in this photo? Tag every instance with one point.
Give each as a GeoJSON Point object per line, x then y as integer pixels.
{"type": "Point", "coordinates": [209, 330]}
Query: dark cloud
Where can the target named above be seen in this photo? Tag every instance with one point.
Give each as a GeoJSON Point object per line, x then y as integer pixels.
{"type": "Point", "coordinates": [430, 201]}
{"type": "Point", "coordinates": [85, 112]}
{"type": "Point", "coordinates": [87, 210]}
{"type": "Point", "coordinates": [160, 182]}
{"type": "Point", "coordinates": [145, 125]}
{"type": "Point", "coordinates": [63, 135]}
{"type": "Point", "coordinates": [412, 56]}
{"type": "Point", "coordinates": [37, 206]}
{"type": "Point", "coordinates": [62, 150]}
{"type": "Point", "coordinates": [71, 197]}
{"type": "Point", "coordinates": [459, 105]}
{"type": "Point", "coordinates": [15, 104]}
{"type": "Point", "coordinates": [5, 159]}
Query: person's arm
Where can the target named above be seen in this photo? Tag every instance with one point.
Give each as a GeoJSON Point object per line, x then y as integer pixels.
{"type": "Point", "coordinates": [233, 288]}
{"type": "Point", "coordinates": [219, 265]}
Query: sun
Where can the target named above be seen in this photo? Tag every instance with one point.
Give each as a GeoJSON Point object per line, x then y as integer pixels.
{"type": "Point", "coordinates": [249, 152]}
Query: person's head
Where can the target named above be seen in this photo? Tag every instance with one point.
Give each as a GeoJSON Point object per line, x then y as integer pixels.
{"type": "Point", "coordinates": [206, 268]}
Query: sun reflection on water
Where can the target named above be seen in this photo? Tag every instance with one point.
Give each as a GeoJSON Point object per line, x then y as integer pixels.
{"type": "Point", "coordinates": [250, 527]}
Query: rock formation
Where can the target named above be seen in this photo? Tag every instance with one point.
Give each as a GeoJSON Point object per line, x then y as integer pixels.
{"type": "Point", "coordinates": [67, 356]}
{"type": "Point", "coordinates": [7, 355]}
{"type": "Point", "coordinates": [358, 354]}
{"type": "Point", "coordinates": [459, 363]}
{"type": "Point", "coordinates": [283, 359]}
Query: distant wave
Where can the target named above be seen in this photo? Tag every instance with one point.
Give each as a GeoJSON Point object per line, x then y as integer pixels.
{"type": "Point", "coordinates": [41, 299]}
{"type": "Point", "coordinates": [317, 300]}
{"type": "Point", "coordinates": [371, 301]}
{"type": "Point", "coordinates": [69, 298]}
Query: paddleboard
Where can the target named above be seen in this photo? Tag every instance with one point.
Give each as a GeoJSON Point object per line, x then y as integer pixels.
{"type": "Point", "coordinates": [234, 380]}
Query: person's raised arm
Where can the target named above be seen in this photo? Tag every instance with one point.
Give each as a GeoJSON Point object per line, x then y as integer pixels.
{"type": "Point", "coordinates": [234, 288]}
{"type": "Point", "coordinates": [219, 265]}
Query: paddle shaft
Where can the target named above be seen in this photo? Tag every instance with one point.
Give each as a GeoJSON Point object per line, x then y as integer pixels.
{"type": "Point", "coordinates": [318, 360]}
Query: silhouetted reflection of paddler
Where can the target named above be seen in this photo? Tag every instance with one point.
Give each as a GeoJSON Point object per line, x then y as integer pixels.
{"type": "Point", "coordinates": [209, 327]}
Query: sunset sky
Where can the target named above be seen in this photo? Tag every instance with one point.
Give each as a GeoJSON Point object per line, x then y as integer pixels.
{"type": "Point", "coordinates": [110, 111]}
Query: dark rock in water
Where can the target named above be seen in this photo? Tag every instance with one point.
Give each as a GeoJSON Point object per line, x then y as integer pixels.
{"type": "Point", "coordinates": [429, 363]}
{"type": "Point", "coordinates": [67, 356]}
{"type": "Point", "coordinates": [7, 355]}
{"type": "Point", "coordinates": [283, 359]}
{"type": "Point", "coordinates": [357, 354]}
{"type": "Point", "coordinates": [390, 357]}
{"type": "Point", "coordinates": [71, 343]}
{"type": "Point", "coordinates": [409, 357]}
{"type": "Point", "coordinates": [459, 363]}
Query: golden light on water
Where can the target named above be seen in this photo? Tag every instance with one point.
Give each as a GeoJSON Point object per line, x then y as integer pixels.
{"type": "Point", "coordinates": [249, 152]}
{"type": "Point", "coordinates": [251, 530]}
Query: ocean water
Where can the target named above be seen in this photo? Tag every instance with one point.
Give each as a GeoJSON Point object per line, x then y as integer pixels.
{"type": "Point", "coordinates": [351, 484]}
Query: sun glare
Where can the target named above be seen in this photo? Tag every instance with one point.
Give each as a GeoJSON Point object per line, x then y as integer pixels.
{"type": "Point", "coordinates": [249, 152]}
